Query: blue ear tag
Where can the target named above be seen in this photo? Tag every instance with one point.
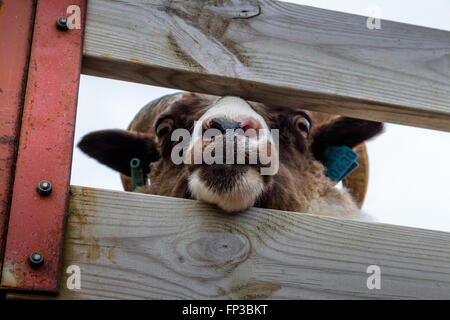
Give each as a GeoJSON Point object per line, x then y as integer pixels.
{"type": "Point", "coordinates": [340, 162]}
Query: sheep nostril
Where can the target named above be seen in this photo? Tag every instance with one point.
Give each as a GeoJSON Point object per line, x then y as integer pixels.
{"type": "Point", "coordinates": [223, 124]}
{"type": "Point", "coordinates": [249, 124]}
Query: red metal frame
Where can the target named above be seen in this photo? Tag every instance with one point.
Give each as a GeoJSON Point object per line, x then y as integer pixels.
{"type": "Point", "coordinates": [36, 223]}
{"type": "Point", "coordinates": [16, 26]}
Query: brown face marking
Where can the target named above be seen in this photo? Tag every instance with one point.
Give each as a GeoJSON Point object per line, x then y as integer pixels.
{"type": "Point", "coordinates": [182, 114]}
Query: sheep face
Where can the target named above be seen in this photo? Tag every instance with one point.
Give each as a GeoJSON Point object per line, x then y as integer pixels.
{"type": "Point", "coordinates": [231, 152]}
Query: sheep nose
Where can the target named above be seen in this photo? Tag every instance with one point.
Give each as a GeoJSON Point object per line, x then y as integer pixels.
{"type": "Point", "coordinates": [223, 124]}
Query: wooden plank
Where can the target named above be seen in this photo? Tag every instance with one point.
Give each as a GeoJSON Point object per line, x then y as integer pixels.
{"type": "Point", "coordinates": [133, 246]}
{"type": "Point", "coordinates": [275, 52]}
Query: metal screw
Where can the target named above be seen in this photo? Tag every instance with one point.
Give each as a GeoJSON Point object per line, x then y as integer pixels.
{"type": "Point", "coordinates": [36, 259]}
{"type": "Point", "coordinates": [44, 188]}
{"type": "Point", "coordinates": [62, 24]}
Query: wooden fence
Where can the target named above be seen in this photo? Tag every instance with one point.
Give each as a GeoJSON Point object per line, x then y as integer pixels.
{"type": "Point", "coordinates": [277, 52]}
{"type": "Point", "coordinates": [138, 246]}
{"type": "Point", "coordinates": [134, 246]}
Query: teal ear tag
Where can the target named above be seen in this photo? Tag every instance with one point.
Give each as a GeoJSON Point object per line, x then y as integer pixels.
{"type": "Point", "coordinates": [137, 174]}
{"type": "Point", "coordinates": [341, 161]}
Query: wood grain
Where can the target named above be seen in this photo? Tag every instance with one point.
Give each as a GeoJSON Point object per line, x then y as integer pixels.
{"type": "Point", "coordinates": [135, 246]}
{"type": "Point", "coordinates": [275, 52]}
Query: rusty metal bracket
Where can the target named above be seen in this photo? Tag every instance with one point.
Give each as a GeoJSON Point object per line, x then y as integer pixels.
{"type": "Point", "coordinates": [34, 239]}
{"type": "Point", "coordinates": [16, 26]}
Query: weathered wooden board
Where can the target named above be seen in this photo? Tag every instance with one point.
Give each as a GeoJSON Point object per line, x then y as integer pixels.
{"type": "Point", "coordinates": [133, 246]}
{"type": "Point", "coordinates": [275, 52]}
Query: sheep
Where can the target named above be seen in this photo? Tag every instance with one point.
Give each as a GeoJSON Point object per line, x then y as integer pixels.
{"type": "Point", "coordinates": [298, 157]}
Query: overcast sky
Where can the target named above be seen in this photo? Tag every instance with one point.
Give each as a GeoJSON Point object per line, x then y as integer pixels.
{"type": "Point", "coordinates": [409, 167]}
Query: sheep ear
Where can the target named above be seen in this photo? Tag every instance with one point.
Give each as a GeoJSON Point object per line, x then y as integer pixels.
{"type": "Point", "coordinates": [115, 148]}
{"type": "Point", "coordinates": [343, 131]}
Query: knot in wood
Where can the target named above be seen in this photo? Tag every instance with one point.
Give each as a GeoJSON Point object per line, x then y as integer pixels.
{"type": "Point", "coordinates": [219, 248]}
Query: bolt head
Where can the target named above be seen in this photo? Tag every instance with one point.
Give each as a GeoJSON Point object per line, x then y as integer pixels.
{"type": "Point", "coordinates": [36, 259]}
{"type": "Point", "coordinates": [62, 24]}
{"type": "Point", "coordinates": [44, 188]}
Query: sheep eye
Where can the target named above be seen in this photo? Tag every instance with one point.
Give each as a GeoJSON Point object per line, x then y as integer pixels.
{"type": "Point", "coordinates": [302, 124]}
{"type": "Point", "coordinates": [164, 127]}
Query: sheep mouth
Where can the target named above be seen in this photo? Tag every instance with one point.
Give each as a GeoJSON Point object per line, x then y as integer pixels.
{"type": "Point", "coordinates": [222, 177]}
{"type": "Point", "coordinates": [232, 154]}
{"type": "Point", "coordinates": [233, 188]}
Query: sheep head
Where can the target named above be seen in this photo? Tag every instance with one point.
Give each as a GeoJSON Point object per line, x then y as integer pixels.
{"type": "Point", "coordinates": [190, 146]}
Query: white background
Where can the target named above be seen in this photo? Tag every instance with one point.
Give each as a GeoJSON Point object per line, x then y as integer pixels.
{"type": "Point", "coordinates": [409, 167]}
